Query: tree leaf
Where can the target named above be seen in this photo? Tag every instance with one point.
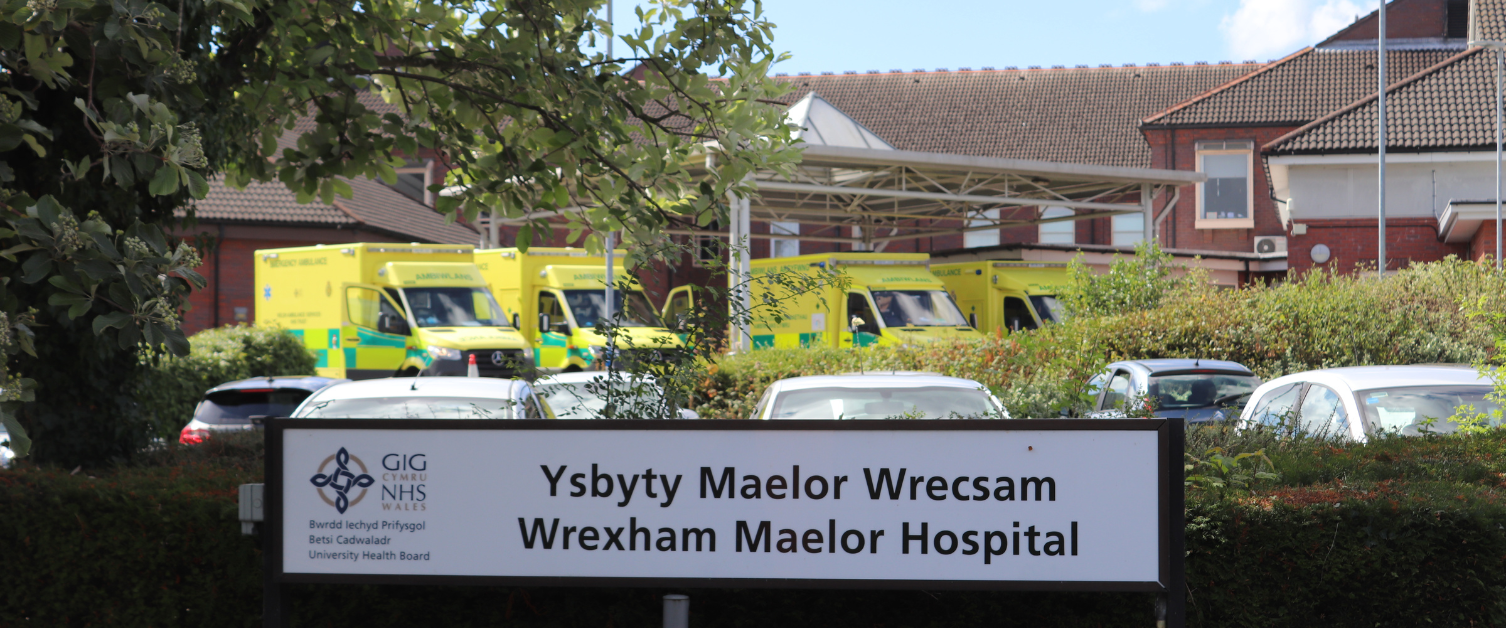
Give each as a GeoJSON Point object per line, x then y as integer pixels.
{"type": "Point", "coordinates": [20, 443]}
{"type": "Point", "coordinates": [165, 181]}
{"type": "Point", "coordinates": [197, 185]}
{"type": "Point", "coordinates": [117, 320]}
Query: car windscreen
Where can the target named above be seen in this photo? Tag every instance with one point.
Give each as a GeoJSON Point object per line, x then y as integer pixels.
{"type": "Point", "coordinates": [1201, 390]}
{"type": "Point", "coordinates": [632, 308]}
{"type": "Point", "coordinates": [236, 407]}
{"type": "Point", "coordinates": [590, 400]}
{"type": "Point", "coordinates": [454, 307]}
{"type": "Point", "coordinates": [917, 308]}
{"type": "Point", "coordinates": [1048, 308]}
{"type": "Point", "coordinates": [932, 402]}
{"type": "Point", "coordinates": [408, 408]}
{"type": "Point", "coordinates": [1418, 409]}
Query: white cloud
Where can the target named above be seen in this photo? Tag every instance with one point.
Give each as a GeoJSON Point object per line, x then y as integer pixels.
{"type": "Point", "coordinates": [1271, 28]}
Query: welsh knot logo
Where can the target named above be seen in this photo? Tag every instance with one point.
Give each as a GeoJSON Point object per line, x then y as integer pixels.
{"type": "Point", "coordinates": [342, 480]}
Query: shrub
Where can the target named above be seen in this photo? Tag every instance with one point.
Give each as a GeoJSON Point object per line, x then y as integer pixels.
{"type": "Point", "coordinates": [175, 385]}
{"type": "Point", "coordinates": [1427, 313]}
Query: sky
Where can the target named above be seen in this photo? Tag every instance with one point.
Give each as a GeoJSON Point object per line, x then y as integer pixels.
{"type": "Point", "coordinates": [861, 35]}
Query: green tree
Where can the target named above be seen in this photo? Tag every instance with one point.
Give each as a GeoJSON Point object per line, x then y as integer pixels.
{"type": "Point", "coordinates": [115, 112]}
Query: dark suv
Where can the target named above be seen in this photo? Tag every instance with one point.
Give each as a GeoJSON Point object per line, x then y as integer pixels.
{"type": "Point", "coordinates": [1177, 388]}
{"type": "Point", "coordinates": [231, 406]}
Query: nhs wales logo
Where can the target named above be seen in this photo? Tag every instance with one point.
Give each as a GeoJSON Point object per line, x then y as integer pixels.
{"type": "Point", "coordinates": [341, 480]}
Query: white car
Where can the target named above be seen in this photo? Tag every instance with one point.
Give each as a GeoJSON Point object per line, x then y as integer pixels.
{"type": "Point", "coordinates": [883, 395]}
{"type": "Point", "coordinates": [426, 398]}
{"type": "Point", "coordinates": [580, 395]}
{"type": "Point", "coordinates": [1354, 402]}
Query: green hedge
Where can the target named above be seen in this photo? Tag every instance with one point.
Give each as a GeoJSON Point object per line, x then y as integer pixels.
{"type": "Point", "coordinates": [175, 385]}
{"type": "Point", "coordinates": [1426, 313]}
{"type": "Point", "coordinates": [1401, 532]}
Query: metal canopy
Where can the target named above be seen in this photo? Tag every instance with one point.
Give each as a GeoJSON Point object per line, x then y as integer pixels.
{"type": "Point", "coordinates": [892, 195]}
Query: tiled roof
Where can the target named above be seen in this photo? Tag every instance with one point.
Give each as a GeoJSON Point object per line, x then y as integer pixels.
{"type": "Point", "coordinates": [1298, 89]}
{"type": "Point", "coordinates": [1448, 107]}
{"type": "Point", "coordinates": [1076, 115]}
{"type": "Point", "coordinates": [372, 206]}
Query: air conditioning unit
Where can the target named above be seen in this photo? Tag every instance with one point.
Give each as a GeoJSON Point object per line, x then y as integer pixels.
{"type": "Point", "coordinates": [1270, 244]}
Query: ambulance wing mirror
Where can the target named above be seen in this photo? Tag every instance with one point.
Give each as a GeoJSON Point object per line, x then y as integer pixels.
{"type": "Point", "coordinates": [543, 322]}
{"type": "Point", "coordinates": [972, 319]}
{"type": "Point", "coordinates": [389, 324]}
{"type": "Point", "coordinates": [514, 320]}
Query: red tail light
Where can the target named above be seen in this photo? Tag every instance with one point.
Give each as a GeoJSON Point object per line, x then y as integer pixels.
{"type": "Point", "coordinates": [191, 436]}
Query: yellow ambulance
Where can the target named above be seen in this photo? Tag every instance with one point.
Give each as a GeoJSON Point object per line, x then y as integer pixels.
{"type": "Point", "coordinates": [890, 299]}
{"type": "Point", "coordinates": [379, 309]}
{"type": "Point", "coordinates": [556, 295]}
{"type": "Point", "coordinates": [1009, 295]}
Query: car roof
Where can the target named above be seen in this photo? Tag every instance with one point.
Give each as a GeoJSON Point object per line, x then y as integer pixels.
{"type": "Point", "coordinates": [1165, 365]}
{"type": "Point", "coordinates": [301, 382]}
{"type": "Point", "coordinates": [1390, 376]}
{"type": "Point", "coordinates": [479, 387]}
{"type": "Point", "coordinates": [581, 377]}
{"type": "Point", "coordinates": [883, 379]}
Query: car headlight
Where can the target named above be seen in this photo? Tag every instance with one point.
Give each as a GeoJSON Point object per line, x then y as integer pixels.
{"type": "Point", "coordinates": [598, 351]}
{"type": "Point", "coordinates": [444, 353]}
{"type": "Point", "coordinates": [528, 353]}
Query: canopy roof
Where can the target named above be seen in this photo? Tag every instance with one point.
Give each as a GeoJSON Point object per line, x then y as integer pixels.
{"type": "Point", "coordinates": [908, 194]}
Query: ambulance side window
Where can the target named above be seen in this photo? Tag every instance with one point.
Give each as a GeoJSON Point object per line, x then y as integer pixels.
{"type": "Point", "coordinates": [396, 298]}
{"type": "Point", "coordinates": [857, 307]}
{"type": "Point", "coordinates": [363, 305]}
{"type": "Point", "coordinates": [367, 305]}
{"type": "Point", "coordinates": [1017, 314]}
{"type": "Point", "coordinates": [679, 305]}
{"type": "Point", "coordinates": [550, 304]}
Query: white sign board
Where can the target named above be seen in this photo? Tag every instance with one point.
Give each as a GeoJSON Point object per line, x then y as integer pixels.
{"type": "Point", "coordinates": [963, 503]}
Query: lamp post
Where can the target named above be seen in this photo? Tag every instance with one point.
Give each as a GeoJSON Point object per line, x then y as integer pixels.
{"type": "Point", "coordinates": [1380, 131]}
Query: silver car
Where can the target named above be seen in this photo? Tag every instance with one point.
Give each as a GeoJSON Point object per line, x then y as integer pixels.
{"type": "Point", "coordinates": [426, 398]}
{"type": "Point", "coordinates": [583, 395]}
{"type": "Point", "coordinates": [886, 395]}
{"type": "Point", "coordinates": [1354, 402]}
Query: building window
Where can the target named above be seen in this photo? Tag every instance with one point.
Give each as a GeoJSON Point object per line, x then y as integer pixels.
{"type": "Point", "coordinates": [975, 239]}
{"type": "Point", "coordinates": [1225, 199]}
{"type": "Point", "coordinates": [414, 179]}
{"type": "Point", "coordinates": [1064, 232]}
{"type": "Point", "coordinates": [708, 248]}
{"type": "Point", "coordinates": [1129, 229]}
{"type": "Point", "coordinates": [784, 247]}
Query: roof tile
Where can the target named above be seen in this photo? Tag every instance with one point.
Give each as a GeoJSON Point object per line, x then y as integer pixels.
{"type": "Point", "coordinates": [1078, 115]}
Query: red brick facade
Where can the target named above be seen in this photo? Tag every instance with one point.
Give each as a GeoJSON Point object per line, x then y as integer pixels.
{"type": "Point", "coordinates": [1176, 149]}
{"type": "Point", "coordinates": [1354, 243]}
{"type": "Point", "coordinates": [230, 270]}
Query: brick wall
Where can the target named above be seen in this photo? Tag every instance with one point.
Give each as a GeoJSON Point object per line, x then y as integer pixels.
{"type": "Point", "coordinates": [1176, 149]}
{"type": "Point", "coordinates": [1484, 242]}
{"type": "Point", "coordinates": [230, 270]}
{"type": "Point", "coordinates": [1355, 242]}
{"type": "Point", "coordinates": [1404, 19]}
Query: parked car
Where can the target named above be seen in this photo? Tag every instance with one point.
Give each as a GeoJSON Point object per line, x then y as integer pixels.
{"type": "Point", "coordinates": [1192, 389]}
{"type": "Point", "coordinates": [885, 395]}
{"type": "Point", "coordinates": [1355, 402]}
{"type": "Point", "coordinates": [582, 395]}
{"type": "Point", "coordinates": [426, 398]}
{"type": "Point", "coordinates": [231, 406]}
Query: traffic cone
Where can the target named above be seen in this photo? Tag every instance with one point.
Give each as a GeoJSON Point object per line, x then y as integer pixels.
{"type": "Point", "coordinates": [470, 369]}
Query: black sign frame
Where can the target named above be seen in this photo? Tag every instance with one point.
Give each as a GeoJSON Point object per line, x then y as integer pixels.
{"type": "Point", "coordinates": [1171, 438]}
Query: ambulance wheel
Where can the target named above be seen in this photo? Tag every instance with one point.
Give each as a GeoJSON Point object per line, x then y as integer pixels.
{"type": "Point", "coordinates": [572, 369]}
{"type": "Point", "coordinates": [407, 372]}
